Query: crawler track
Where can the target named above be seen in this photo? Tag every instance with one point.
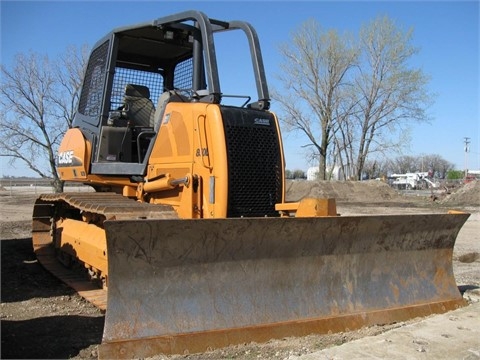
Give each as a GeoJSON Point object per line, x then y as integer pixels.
{"type": "Point", "coordinates": [50, 209]}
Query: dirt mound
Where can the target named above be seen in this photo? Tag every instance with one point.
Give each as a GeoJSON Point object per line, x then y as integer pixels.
{"type": "Point", "coordinates": [371, 191]}
{"type": "Point", "coordinates": [468, 194]}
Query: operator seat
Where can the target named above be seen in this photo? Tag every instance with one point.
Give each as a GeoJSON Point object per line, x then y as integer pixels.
{"type": "Point", "coordinates": [163, 100]}
{"type": "Point", "coordinates": [138, 106]}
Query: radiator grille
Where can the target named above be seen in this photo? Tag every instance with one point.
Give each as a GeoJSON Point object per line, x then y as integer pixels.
{"type": "Point", "coordinates": [254, 162]}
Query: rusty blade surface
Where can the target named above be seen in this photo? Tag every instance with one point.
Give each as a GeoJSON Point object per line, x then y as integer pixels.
{"type": "Point", "coordinates": [180, 286]}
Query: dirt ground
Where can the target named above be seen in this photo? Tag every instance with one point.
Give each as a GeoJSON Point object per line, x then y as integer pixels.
{"type": "Point", "coordinates": [43, 319]}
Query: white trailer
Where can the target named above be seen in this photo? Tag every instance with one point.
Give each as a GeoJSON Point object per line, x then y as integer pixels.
{"type": "Point", "coordinates": [408, 181]}
{"type": "Point", "coordinates": [412, 181]}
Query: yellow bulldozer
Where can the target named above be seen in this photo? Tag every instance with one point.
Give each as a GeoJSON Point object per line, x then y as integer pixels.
{"type": "Point", "coordinates": [187, 241]}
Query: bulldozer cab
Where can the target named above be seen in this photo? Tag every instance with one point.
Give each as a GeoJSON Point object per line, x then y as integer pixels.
{"type": "Point", "coordinates": [133, 73]}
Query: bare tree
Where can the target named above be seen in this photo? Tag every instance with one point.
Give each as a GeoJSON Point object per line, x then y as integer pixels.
{"type": "Point", "coordinates": [37, 103]}
{"type": "Point", "coordinates": [351, 99]}
{"type": "Point", "coordinates": [391, 94]}
{"type": "Point", "coordinates": [313, 72]}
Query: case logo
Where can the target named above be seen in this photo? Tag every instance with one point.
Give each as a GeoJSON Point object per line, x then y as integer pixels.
{"type": "Point", "coordinates": [260, 121]}
{"type": "Point", "coordinates": [65, 157]}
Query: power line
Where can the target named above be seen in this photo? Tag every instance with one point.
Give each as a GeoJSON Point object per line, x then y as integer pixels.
{"type": "Point", "coordinates": [466, 148]}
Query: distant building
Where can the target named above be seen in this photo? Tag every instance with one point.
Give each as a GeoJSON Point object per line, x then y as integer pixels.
{"type": "Point", "coordinates": [312, 173]}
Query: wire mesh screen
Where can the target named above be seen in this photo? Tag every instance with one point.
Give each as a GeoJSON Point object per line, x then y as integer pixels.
{"type": "Point", "coordinates": [92, 91]}
{"type": "Point", "coordinates": [183, 75]}
{"type": "Point", "coordinates": [124, 76]}
{"type": "Point", "coordinates": [182, 80]}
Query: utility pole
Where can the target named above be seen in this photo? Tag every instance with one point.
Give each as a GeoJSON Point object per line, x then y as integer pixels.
{"type": "Point", "coordinates": [467, 142]}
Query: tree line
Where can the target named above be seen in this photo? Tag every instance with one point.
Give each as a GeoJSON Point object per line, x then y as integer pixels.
{"type": "Point", "coordinates": [433, 164]}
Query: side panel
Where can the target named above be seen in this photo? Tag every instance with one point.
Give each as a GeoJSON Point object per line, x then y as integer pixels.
{"type": "Point", "coordinates": [74, 155]}
{"type": "Point", "coordinates": [175, 139]}
{"type": "Point", "coordinates": [191, 143]}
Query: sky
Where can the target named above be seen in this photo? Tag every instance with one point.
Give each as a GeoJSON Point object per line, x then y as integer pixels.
{"type": "Point", "coordinates": [446, 32]}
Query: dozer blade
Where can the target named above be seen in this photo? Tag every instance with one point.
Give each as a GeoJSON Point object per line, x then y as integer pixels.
{"type": "Point", "coordinates": [186, 286]}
